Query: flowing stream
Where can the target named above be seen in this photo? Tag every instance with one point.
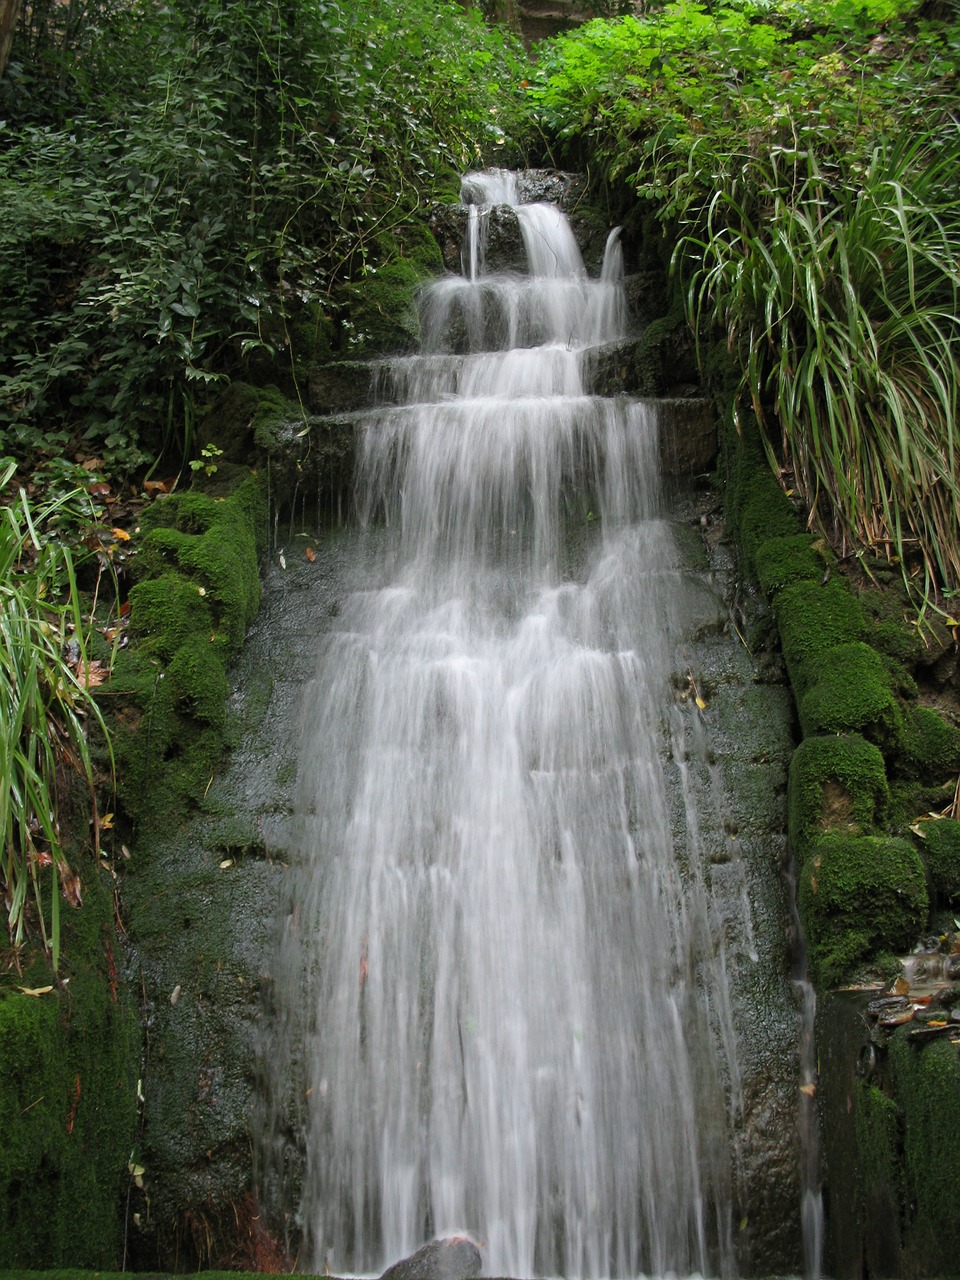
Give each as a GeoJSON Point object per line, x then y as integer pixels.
{"type": "Point", "coordinates": [517, 1020]}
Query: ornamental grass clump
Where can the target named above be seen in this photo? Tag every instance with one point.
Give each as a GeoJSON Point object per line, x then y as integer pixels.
{"type": "Point", "coordinates": [46, 708]}
{"type": "Point", "coordinates": [839, 292]}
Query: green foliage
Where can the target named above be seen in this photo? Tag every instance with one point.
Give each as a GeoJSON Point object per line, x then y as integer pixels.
{"type": "Point", "coordinates": [840, 291]}
{"type": "Point", "coordinates": [210, 172]}
{"type": "Point", "coordinates": [46, 707]}
{"type": "Point", "coordinates": [805, 154]}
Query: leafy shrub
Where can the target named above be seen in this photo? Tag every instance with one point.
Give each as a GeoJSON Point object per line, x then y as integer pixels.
{"type": "Point", "coordinates": [804, 156]}
{"type": "Point", "coordinates": [232, 166]}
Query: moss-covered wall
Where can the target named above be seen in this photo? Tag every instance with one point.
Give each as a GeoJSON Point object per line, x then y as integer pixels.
{"type": "Point", "coordinates": [196, 592]}
{"type": "Point", "coordinates": [69, 1058]}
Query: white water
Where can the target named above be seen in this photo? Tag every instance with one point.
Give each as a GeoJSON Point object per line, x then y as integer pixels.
{"type": "Point", "coordinates": [516, 1018]}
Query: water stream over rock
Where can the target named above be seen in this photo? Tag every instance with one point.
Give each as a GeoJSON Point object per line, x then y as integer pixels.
{"type": "Point", "coordinates": [532, 929]}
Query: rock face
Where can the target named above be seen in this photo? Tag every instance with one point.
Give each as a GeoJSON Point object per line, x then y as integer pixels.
{"type": "Point", "coordinates": [449, 1258]}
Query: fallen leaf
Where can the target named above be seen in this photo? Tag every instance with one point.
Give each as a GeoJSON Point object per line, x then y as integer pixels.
{"type": "Point", "coordinates": [91, 674]}
{"type": "Point", "coordinates": [35, 991]}
{"type": "Point", "coordinates": [121, 535]}
{"type": "Point", "coordinates": [71, 887]}
{"type": "Point", "coordinates": [808, 1090]}
{"type": "Point", "coordinates": [311, 554]}
{"type": "Point", "coordinates": [227, 862]}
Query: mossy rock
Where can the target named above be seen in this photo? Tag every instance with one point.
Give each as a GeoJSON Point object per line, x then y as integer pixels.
{"type": "Point", "coordinates": [664, 357]}
{"type": "Point", "coordinates": [932, 745]}
{"type": "Point", "coordinates": [854, 694]}
{"type": "Point", "coordinates": [383, 316]}
{"type": "Point", "coordinates": [169, 612]}
{"type": "Point", "coordinates": [797, 557]}
{"type": "Point", "coordinates": [68, 1108]}
{"type": "Point", "coordinates": [926, 1087]}
{"type": "Point", "coordinates": [859, 895]}
{"type": "Point", "coordinates": [756, 507]}
{"type": "Point", "coordinates": [880, 1189]}
{"type": "Point", "coordinates": [197, 592]}
{"type": "Point", "coordinates": [814, 618]}
{"type": "Point", "coordinates": [836, 783]}
{"type": "Point", "coordinates": [940, 847]}
{"type": "Point", "coordinates": [213, 542]}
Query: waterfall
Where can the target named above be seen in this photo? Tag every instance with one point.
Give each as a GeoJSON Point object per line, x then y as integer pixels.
{"type": "Point", "coordinates": [505, 964]}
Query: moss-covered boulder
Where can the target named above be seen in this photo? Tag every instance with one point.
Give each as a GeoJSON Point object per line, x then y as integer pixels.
{"type": "Point", "coordinates": [759, 507]}
{"type": "Point", "coordinates": [859, 895]}
{"type": "Point", "coordinates": [932, 746]}
{"type": "Point", "coordinates": [853, 693]}
{"type": "Point", "coordinates": [940, 847]}
{"type": "Point", "coordinates": [796, 557]}
{"type": "Point", "coordinates": [384, 317]}
{"type": "Point", "coordinates": [879, 1186]}
{"type": "Point", "coordinates": [836, 783]}
{"type": "Point", "coordinates": [814, 618]}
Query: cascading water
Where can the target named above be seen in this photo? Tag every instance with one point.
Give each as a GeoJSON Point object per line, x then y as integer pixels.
{"type": "Point", "coordinates": [516, 1017]}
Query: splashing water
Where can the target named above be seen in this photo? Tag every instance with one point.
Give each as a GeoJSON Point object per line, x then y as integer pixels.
{"type": "Point", "coordinates": [515, 1017]}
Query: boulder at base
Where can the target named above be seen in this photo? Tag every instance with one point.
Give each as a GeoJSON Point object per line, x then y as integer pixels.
{"type": "Point", "coordinates": [450, 1258]}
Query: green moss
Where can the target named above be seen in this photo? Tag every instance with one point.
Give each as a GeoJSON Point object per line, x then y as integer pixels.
{"type": "Point", "coordinates": [878, 1174]}
{"type": "Point", "coordinates": [836, 783]}
{"type": "Point", "coordinates": [382, 308]}
{"type": "Point", "coordinates": [927, 1088]}
{"type": "Point", "coordinates": [756, 507]}
{"type": "Point", "coordinates": [197, 592]}
{"type": "Point", "coordinates": [854, 693]}
{"type": "Point", "coordinates": [68, 1065]}
{"type": "Point", "coordinates": [932, 745]}
{"type": "Point", "coordinates": [664, 355]}
{"type": "Point", "coordinates": [214, 543]}
{"type": "Point", "coordinates": [940, 848]}
{"type": "Point", "coordinates": [858, 895]}
{"type": "Point", "coordinates": [812, 619]}
{"type": "Point", "coordinates": [793, 558]}
{"type": "Point", "coordinates": [169, 611]}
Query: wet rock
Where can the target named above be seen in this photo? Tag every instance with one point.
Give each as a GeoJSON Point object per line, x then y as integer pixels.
{"type": "Point", "coordinates": [449, 1258]}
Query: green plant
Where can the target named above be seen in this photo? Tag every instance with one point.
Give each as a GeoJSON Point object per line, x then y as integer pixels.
{"type": "Point", "coordinates": [839, 293]}
{"type": "Point", "coordinates": [207, 462]}
{"type": "Point", "coordinates": [46, 708]}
